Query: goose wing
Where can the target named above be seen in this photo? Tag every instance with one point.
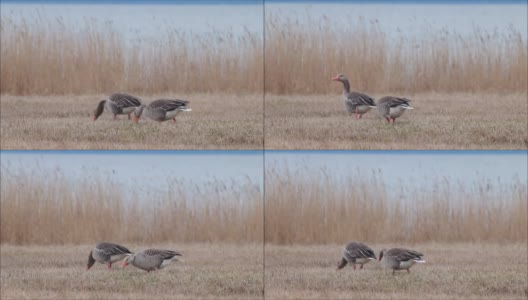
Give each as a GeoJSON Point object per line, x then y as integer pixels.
{"type": "Point", "coordinates": [112, 249]}
{"type": "Point", "coordinates": [360, 99]}
{"type": "Point", "coordinates": [125, 100]}
{"type": "Point", "coordinates": [163, 254]}
{"type": "Point", "coordinates": [359, 250]}
{"type": "Point", "coordinates": [168, 104]}
{"type": "Point", "coordinates": [404, 254]}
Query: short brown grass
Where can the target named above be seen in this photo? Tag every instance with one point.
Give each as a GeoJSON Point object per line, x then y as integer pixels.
{"type": "Point", "coordinates": [452, 271]}
{"type": "Point", "coordinates": [210, 271]}
{"type": "Point", "coordinates": [46, 57]}
{"type": "Point", "coordinates": [301, 57]}
{"type": "Point", "coordinates": [64, 122]}
{"type": "Point", "coordinates": [316, 208]}
{"type": "Point", "coordinates": [55, 211]}
{"type": "Point", "coordinates": [438, 121]}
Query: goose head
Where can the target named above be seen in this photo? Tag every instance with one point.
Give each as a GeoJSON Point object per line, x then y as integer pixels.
{"type": "Point", "coordinates": [91, 261]}
{"type": "Point", "coordinates": [381, 253]}
{"type": "Point", "coordinates": [128, 260]}
{"type": "Point", "coordinates": [138, 112]}
{"type": "Point", "coordinates": [340, 77]}
{"type": "Point", "coordinates": [99, 109]}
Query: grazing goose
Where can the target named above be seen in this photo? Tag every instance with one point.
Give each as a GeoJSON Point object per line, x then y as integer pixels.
{"type": "Point", "coordinates": [400, 258]}
{"type": "Point", "coordinates": [356, 253]}
{"type": "Point", "coordinates": [162, 109]}
{"type": "Point", "coordinates": [107, 253]}
{"type": "Point", "coordinates": [355, 102]}
{"type": "Point", "coordinates": [392, 107]}
{"type": "Point", "coordinates": [152, 259]}
{"type": "Point", "coordinates": [119, 104]}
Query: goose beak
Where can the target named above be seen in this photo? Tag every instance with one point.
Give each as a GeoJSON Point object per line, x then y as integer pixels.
{"type": "Point", "coordinates": [336, 78]}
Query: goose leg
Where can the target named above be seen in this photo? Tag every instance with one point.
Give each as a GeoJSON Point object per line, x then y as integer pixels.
{"type": "Point", "coordinates": [360, 115]}
{"type": "Point", "coordinates": [115, 117]}
{"type": "Point", "coordinates": [109, 265]}
{"type": "Point", "coordinates": [408, 271]}
{"type": "Point", "coordinates": [129, 116]}
{"type": "Point", "coordinates": [361, 267]}
{"type": "Point", "coordinates": [393, 271]}
{"type": "Point", "coordinates": [393, 120]}
{"type": "Point", "coordinates": [354, 266]}
{"type": "Point", "coordinates": [388, 119]}
{"type": "Point", "coordinates": [174, 120]}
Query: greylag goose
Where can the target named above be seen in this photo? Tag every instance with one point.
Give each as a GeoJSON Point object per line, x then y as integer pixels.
{"type": "Point", "coordinates": [152, 259]}
{"type": "Point", "coordinates": [162, 109]}
{"type": "Point", "coordinates": [118, 104]}
{"type": "Point", "coordinates": [392, 107]}
{"type": "Point", "coordinates": [356, 253]}
{"type": "Point", "coordinates": [355, 103]}
{"type": "Point", "coordinates": [107, 253]}
{"type": "Point", "coordinates": [400, 258]}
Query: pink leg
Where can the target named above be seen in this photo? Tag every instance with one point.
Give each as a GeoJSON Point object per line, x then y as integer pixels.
{"type": "Point", "coordinates": [109, 265]}
{"type": "Point", "coordinates": [174, 120]}
{"type": "Point", "coordinates": [361, 267]}
{"type": "Point", "coordinates": [388, 119]}
{"type": "Point", "coordinates": [129, 116]}
{"type": "Point", "coordinates": [360, 115]}
{"type": "Point", "coordinates": [354, 266]}
{"type": "Point", "coordinates": [408, 271]}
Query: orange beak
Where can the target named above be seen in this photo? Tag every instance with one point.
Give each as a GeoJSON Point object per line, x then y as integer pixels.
{"type": "Point", "coordinates": [136, 119]}
{"type": "Point", "coordinates": [336, 78]}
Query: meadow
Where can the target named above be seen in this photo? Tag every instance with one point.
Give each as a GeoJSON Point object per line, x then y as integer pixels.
{"type": "Point", "coordinates": [65, 122]}
{"type": "Point", "coordinates": [468, 91]}
{"type": "Point", "coordinates": [49, 225]}
{"type": "Point", "coordinates": [438, 121]}
{"type": "Point", "coordinates": [474, 237]}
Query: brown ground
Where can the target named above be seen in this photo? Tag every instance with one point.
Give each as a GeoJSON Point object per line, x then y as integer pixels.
{"type": "Point", "coordinates": [58, 272]}
{"type": "Point", "coordinates": [438, 121]}
{"type": "Point", "coordinates": [452, 271]}
{"type": "Point", "coordinates": [64, 122]}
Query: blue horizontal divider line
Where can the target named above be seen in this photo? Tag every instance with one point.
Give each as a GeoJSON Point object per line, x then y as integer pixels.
{"type": "Point", "coordinates": [259, 152]}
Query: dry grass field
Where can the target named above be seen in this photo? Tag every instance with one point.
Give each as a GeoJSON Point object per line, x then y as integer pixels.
{"type": "Point", "coordinates": [58, 272]}
{"type": "Point", "coordinates": [438, 121]}
{"type": "Point", "coordinates": [452, 271]}
{"type": "Point", "coordinates": [64, 122]}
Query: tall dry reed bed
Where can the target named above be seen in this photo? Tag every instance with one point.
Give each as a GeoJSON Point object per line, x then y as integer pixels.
{"type": "Point", "coordinates": [301, 57]}
{"type": "Point", "coordinates": [47, 57]}
{"type": "Point", "coordinates": [53, 210]}
{"type": "Point", "coordinates": [318, 209]}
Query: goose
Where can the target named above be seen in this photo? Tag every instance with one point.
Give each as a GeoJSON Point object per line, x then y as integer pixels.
{"type": "Point", "coordinates": [400, 258]}
{"type": "Point", "coordinates": [355, 102]}
{"type": "Point", "coordinates": [392, 107]}
{"type": "Point", "coordinates": [162, 109]}
{"type": "Point", "coordinates": [152, 259]}
{"type": "Point", "coordinates": [356, 253]}
{"type": "Point", "coordinates": [118, 104]}
{"type": "Point", "coordinates": [107, 253]}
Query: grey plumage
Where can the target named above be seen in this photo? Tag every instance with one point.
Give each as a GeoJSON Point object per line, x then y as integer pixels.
{"type": "Point", "coordinates": [118, 104]}
{"type": "Point", "coordinates": [400, 258]}
{"type": "Point", "coordinates": [107, 253]}
{"type": "Point", "coordinates": [356, 253]}
{"type": "Point", "coordinates": [162, 109]}
{"type": "Point", "coordinates": [355, 103]}
{"type": "Point", "coordinates": [152, 259]}
{"type": "Point", "coordinates": [391, 107]}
